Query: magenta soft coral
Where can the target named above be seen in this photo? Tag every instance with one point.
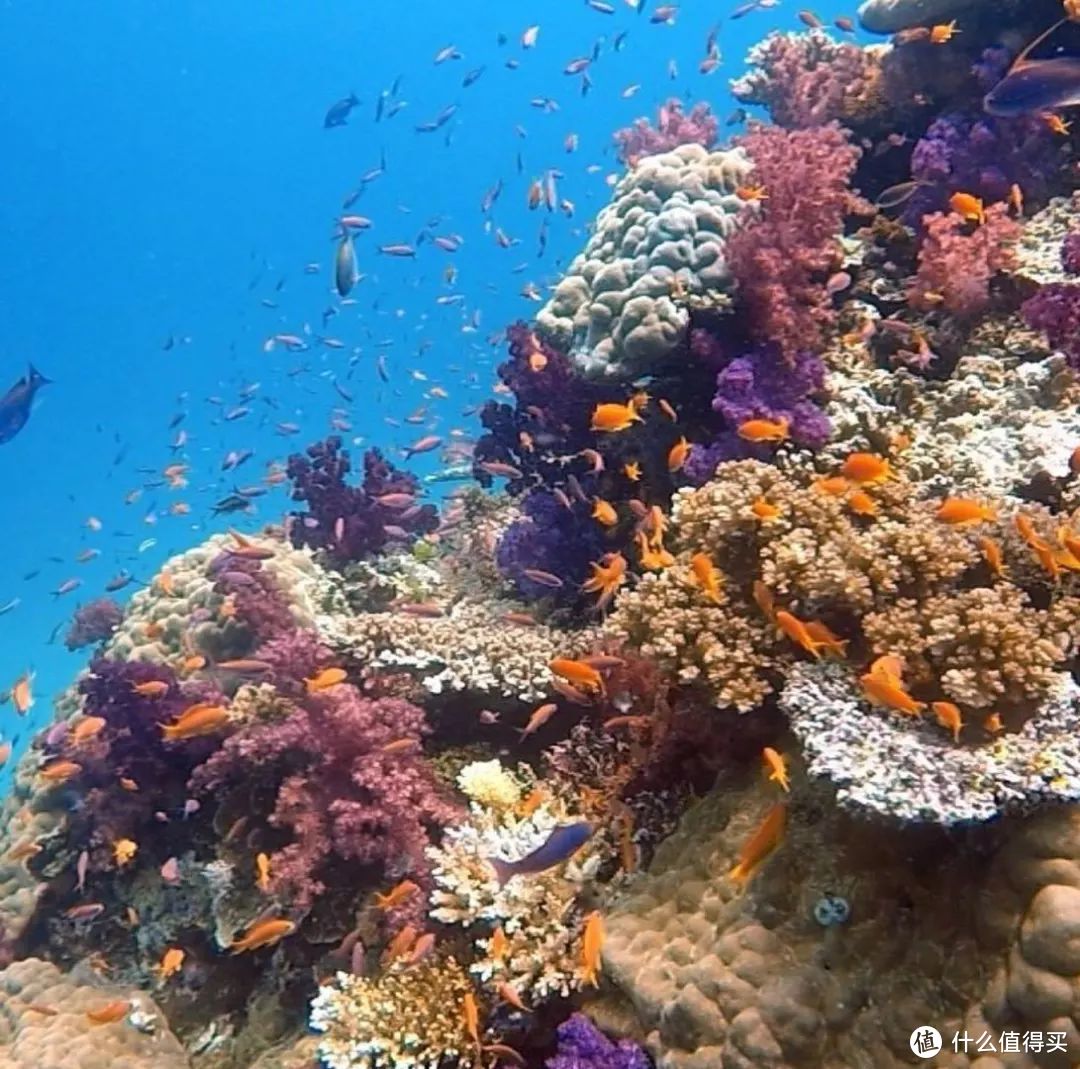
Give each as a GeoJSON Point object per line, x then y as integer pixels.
{"type": "Point", "coordinates": [348, 792]}
{"type": "Point", "coordinates": [673, 127]}
{"type": "Point", "coordinates": [958, 259]}
{"type": "Point", "coordinates": [782, 261]}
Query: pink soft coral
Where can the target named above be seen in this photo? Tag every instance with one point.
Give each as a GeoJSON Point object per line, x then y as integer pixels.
{"type": "Point", "coordinates": [782, 261]}
{"type": "Point", "coordinates": [956, 262]}
{"type": "Point", "coordinates": [349, 785]}
{"type": "Point", "coordinates": [674, 127]}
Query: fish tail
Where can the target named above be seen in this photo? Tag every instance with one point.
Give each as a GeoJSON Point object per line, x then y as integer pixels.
{"type": "Point", "coordinates": [168, 732]}
{"type": "Point", "coordinates": [503, 869]}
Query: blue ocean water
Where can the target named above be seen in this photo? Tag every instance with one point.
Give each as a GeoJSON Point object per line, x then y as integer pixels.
{"type": "Point", "coordinates": [167, 177]}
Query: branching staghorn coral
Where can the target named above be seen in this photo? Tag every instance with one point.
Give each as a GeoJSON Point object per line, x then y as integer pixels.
{"type": "Point", "coordinates": [404, 1018]}
{"type": "Point", "coordinates": [536, 912]}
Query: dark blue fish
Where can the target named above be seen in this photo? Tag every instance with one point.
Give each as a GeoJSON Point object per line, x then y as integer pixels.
{"type": "Point", "coordinates": [562, 843]}
{"type": "Point", "coordinates": [1036, 85]}
{"type": "Point", "coordinates": [16, 403]}
{"type": "Point", "coordinates": [338, 113]}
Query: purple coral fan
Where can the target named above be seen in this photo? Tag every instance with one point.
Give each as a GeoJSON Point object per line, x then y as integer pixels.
{"type": "Point", "coordinates": [1055, 310]}
{"type": "Point", "coordinates": [782, 261]}
{"type": "Point", "coordinates": [980, 155]}
{"type": "Point", "coordinates": [93, 622]}
{"type": "Point", "coordinates": [957, 263]}
{"type": "Point", "coordinates": [583, 1046]}
{"type": "Point", "coordinates": [674, 127]}
{"type": "Point", "coordinates": [341, 783]}
{"type": "Point", "coordinates": [807, 79]}
{"type": "Point", "coordinates": [350, 522]}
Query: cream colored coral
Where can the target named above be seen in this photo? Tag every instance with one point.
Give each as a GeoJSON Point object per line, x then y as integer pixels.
{"type": "Point", "coordinates": [717, 646]}
{"type": "Point", "coordinates": [982, 647]}
{"type": "Point", "coordinates": [468, 649]}
{"type": "Point", "coordinates": [162, 627]}
{"type": "Point", "coordinates": [537, 912]}
{"type": "Point", "coordinates": [32, 1038]}
{"type": "Point", "coordinates": [403, 1018]}
{"type": "Point", "coordinates": [489, 784]}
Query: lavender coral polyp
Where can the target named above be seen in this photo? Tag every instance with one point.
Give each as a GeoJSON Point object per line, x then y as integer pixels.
{"type": "Point", "coordinates": [674, 127]}
{"type": "Point", "coordinates": [1055, 310]}
{"type": "Point", "coordinates": [583, 1046]}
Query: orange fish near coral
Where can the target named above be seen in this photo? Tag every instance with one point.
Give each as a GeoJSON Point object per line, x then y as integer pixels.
{"type": "Point", "coordinates": [109, 1013]}
{"type": "Point", "coordinates": [262, 872]}
{"type": "Point", "coordinates": [888, 692]}
{"type": "Point", "coordinates": [968, 206]}
{"type": "Point", "coordinates": [948, 716]}
{"type": "Point", "coordinates": [195, 722]}
{"type": "Point", "coordinates": [825, 638]}
{"type": "Point", "coordinates": [764, 430]}
{"type": "Point", "coordinates": [577, 673]}
{"type": "Point", "coordinates": [328, 677]}
{"type": "Point", "coordinates": [396, 895]}
{"type": "Point", "coordinates": [540, 716]}
{"type": "Point", "coordinates": [171, 963]}
{"type": "Point", "coordinates": [614, 417]}
{"type": "Point", "coordinates": [677, 455]}
{"type": "Point", "coordinates": [705, 577]}
{"type": "Point", "coordinates": [865, 468]}
{"type": "Point", "coordinates": [86, 729]}
{"type": "Point", "coordinates": [608, 574]}
{"type": "Point", "coordinates": [764, 510]}
{"type": "Point", "coordinates": [796, 630]}
{"type": "Point", "coordinates": [777, 766]}
{"type": "Point", "coordinates": [266, 933]}
{"type": "Point", "coordinates": [59, 771]}
{"type": "Point", "coordinates": [861, 503]}
{"type": "Point", "coordinates": [470, 1013]}
{"type": "Point", "coordinates": [961, 511]}
{"type": "Point", "coordinates": [152, 688]}
{"type": "Point", "coordinates": [991, 552]}
{"type": "Point", "coordinates": [765, 838]}
{"type": "Point", "coordinates": [604, 513]}
{"type": "Point", "coordinates": [939, 35]}
{"type": "Point", "coordinates": [22, 696]}
{"type": "Point", "coordinates": [592, 942]}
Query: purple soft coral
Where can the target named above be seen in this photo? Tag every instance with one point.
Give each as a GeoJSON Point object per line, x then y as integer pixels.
{"type": "Point", "coordinates": [583, 1046]}
{"type": "Point", "coordinates": [353, 522]}
{"type": "Point", "coordinates": [348, 783]}
{"type": "Point", "coordinates": [1055, 310]}
{"type": "Point", "coordinates": [93, 622]}
{"type": "Point", "coordinates": [674, 127]}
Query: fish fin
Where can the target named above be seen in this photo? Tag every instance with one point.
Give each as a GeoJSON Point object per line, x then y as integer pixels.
{"type": "Point", "coordinates": [503, 869]}
{"type": "Point", "coordinates": [1022, 60]}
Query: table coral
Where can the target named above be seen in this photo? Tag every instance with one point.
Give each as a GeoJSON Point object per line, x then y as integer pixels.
{"type": "Point", "coordinates": [913, 772]}
{"type": "Point", "coordinates": [465, 650]}
{"type": "Point", "coordinates": [666, 227]}
{"type": "Point", "coordinates": [405, 1017]}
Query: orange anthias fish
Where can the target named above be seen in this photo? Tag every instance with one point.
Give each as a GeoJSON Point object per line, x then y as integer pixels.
{"type": "Point", "coordinates": [196, 722]}
{"type": "Point", "coordinates": [705, 576]}
{"type": "Point", "coordinates": [577, 673]}
{"type": "Point", "coordinates": [776, 763]}
{"type": "Point", "coordinates": [22, 695]}
{"type": "Point", "coordinates": [961, 511]}
{"type": "Point", "coordinates": [614, 417]}
{"type": "Point", "coordinates": [888, 691]}
{"type": "Point", "coordinates": [677, 455]}
{"type": "Point", "coordinates": [991, 552]}
{"type": "Point", "coordinates": [171, 963]}
{"type": "Point", "coordinates": [607, 576]}
{"type": "Point", "coordinates": [152, 688]}
{"type": "Point", "coordinates": [328, 677]}
{"type": "Point", "coordinates": [262, 872]}
{"type": "Point", "coordinates": [765, 838]}
{"type": "Point", "coordinates": [861, 503]}
{"type": "Point", "coordinates": [795, 629]}
{"type": "Point", "coordinates": [825, 638]}
{"type": "Point", "coordinates": [765, 510]}
{"type": "Point", "coordinates": [592, 942]}
{"type": "Point", "coordinates": [124, 851]}
{"type": "Point", "coordinates": [59, 771]}
{"type": "Point", "coordinates": [943, 32]}
{"type": "Point", "coordinates": [948, 716]}
{"type": "Point", "coordinates": [396, 895]}
{"type": "Point", "coordinates": [470, 1013]}
{"type": "Point", "coordinates": [764, 430]}
{"type": "Point", "coordinates": [109, 1013]}
{"type": "Point", "coordinates": [266, 933]}
{"type": "Point", "coordinates": [86, 729]}
{"type": "Point", "coordinates": [540, 716]}
{"type": "Point", "coordinates": [604, 513]}
{"type": "Point", "coordinates": [866, 468]}
{"type": "Point", "coordinates": [968, 207]}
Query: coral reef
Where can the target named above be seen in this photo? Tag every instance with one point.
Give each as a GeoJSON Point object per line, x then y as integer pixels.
{"type": "Point", "coordinates": [583, 1046]}
{"type": "Point", "coordinates": [616, 309]}
{"type": "Point", "coordinates": [674, 127]}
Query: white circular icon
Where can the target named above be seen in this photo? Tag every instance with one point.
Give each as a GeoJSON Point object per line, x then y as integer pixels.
{"type": "Point", "coordinates": [925, 1041]}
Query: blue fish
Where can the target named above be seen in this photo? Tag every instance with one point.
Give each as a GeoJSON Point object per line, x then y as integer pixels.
{"type": "Point", "coordinates": [338, 113]}
{"type": "Point", "coordinates": [16, 403]}
{"type": "Point", "coordinates": [564, 841]}
{"type": "Point", "coordinates": [1036, 85]}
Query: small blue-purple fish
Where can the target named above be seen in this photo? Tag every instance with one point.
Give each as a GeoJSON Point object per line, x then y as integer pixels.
{"type": "Point", "coordinates": [1036, 85]}
{"type": "Point", "coordinates": [562, 843]}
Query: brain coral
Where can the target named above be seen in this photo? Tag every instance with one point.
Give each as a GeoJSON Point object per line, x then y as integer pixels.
{"type": "Point", "coordinates": [663, 233]}
{"type": "Point", "coordinates": [67, 1039]}
{"type": "Point", "coordinates": [726, 980]}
